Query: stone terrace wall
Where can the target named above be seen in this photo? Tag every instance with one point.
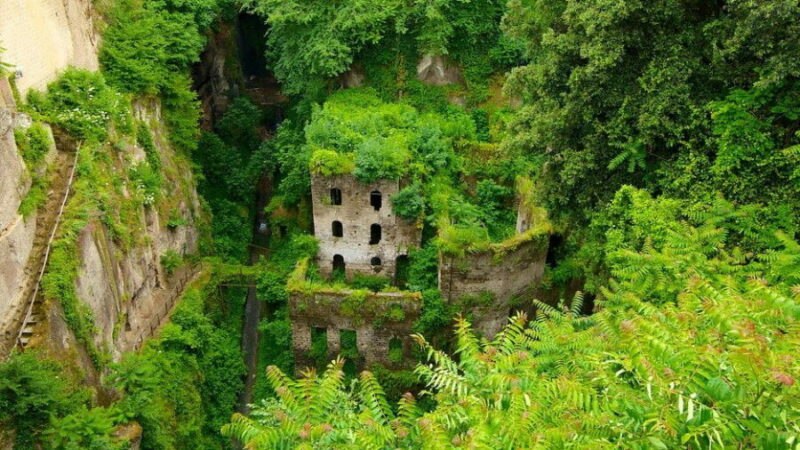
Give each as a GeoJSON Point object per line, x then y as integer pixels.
{"type": "Point", "coordinates": [44, 37]}
{"type": "Point", "coordinates": [357, 215]}
{"type": "Point", "coordinates": [495, 274]}
{"type": "Point", "coordinates": [328, 309]}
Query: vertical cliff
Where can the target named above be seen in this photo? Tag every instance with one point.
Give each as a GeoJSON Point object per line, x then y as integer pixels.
{"type": "Point", "coordinates": [116, 230]}
{"type": "Point", "coordinates": [43, 37]}
{"type": "Point", "coordinates": [16, 231]}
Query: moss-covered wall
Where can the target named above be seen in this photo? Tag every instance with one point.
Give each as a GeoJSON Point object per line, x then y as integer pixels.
{"type": "Point", "coordinates": [377, 318]}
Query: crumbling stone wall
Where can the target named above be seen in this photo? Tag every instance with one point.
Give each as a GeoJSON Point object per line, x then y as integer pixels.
{"type": "Point", "coordinates": [489, 282]}
{"type": "Point", "coordinates": [374, 318]}
{"type": "Point", "coordinates": [357, 216]}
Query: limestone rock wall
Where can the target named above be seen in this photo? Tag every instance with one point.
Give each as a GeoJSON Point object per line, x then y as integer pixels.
{"type": "Point", "coordinates": [16, 232]}
{"type": "Point", "coordinates": [329, 310]}
{"type": "Point", "coordinates": [438, 70]}
{"type": "Point", "coordinates": [127, 289]}
{"type": "Point", "coordinates": [43, 37]}
{"type": "Point", "coordinates": [357, 215]}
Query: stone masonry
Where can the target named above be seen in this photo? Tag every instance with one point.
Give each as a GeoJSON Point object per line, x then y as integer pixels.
{"type": "Point", "coordinates": [490, 281]}
{"type": "Point", "coordinates": [352, 204]}
{"type": "Point", "coordinates": [372, 322]}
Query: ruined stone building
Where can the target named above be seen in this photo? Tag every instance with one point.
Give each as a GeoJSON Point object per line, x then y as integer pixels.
{"type": "Point", "coordinates": [379, 324]}
{"type": "Point", "coordinates": [492, 282]}
{"type": "Point", "coordinates": [357, 230]}
{"type": "Point", "coordinates": [359, 234]}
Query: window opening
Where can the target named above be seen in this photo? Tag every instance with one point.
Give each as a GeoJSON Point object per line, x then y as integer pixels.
{"type": "Point", "coordinates": [374, 234]}
{"type": "Point", "coordinates": [319, 347]}
{"type": "Point", "coordinates": [376, 200]}
{"type": "Point", "coordinates": [337, 229]}
{"type": "Point", "coordinates": [396, 350]}
{"type": "Point", "coordinates": [348, 345]}
{"type": "Point", "coordinates": [336, 196]}
{"type": "Point", "coordinates": [401, 271]}
{"type": "Point", "coordinates": [338, 266]}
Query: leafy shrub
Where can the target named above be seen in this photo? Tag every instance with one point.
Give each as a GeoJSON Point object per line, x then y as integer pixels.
{"type": "Point", "coordinates": [33, 144]}
{"type": "Point", "coordinates": [329, 163]}
{"type": "Point", "coordinates": [83, 104]}
{"type": "Point", "coordinates": [319, 349]}
{"type": "Point", "coordinates": [370, 282]}
{"type": "Point", "coordinates": [396, 351]}
{"type": "Point", "coordinates": [182, 387]}
{"type": "Point", "coordinates": [494, 201]}
{"type": "Point", "coordinates": [176, 219]}
{"type": "Point", "coordinates": [409, 203]}
{"type": "Point", "coordinates": [437, 314]}
{"type": "Point", "coordinates": [278, 332]}
{"type": "Point", "coordinates": [239, 125]}
{"type": "Point", "coordinates": [145, 140]}
{"type": "Point", "coordinates": [87, 428]}
{"type": "Point", "coordinates": [147, 181]}
{"type": "Point", "coordinates": [181, 112]}
{"type": "Point", "coordinates": [380, 159]}
{"type": "Point", "coordinates": [423, 268]}
{"type": "Point", "coordinates": [32, 390]}
{"type": "Point", "coordinates": [170, 261]}
{"type": "Point", "coordinates": [395, 313]}
{"type": "Point", "coordinates": [144, 47]}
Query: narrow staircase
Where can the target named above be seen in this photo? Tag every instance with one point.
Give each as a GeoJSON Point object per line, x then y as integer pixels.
{"type": "Point", "coordinates": [47, 223]}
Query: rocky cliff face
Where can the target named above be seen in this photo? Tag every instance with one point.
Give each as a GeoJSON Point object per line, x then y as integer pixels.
{"type": "Point", "coordinates": [39, 39]}
{"type": "Point", "coordinates": [124, 286]}
{"type": "Point", "coordinates": [16, 232]}
{"type": "Point", "coordinates": [43, 37]}
{"type": "Point", "coordinates": [128, 290]}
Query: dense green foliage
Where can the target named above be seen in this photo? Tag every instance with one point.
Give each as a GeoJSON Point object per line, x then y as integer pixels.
{"type": "Point", "coordinates": [691, 348]}
{"type": "Point", "coordinates": [685, 98]}
{"type": "Point", "coordinates": [149, 47]}
{"type": "Point", "coordinates": [31, 390]}
{"type": "Point", "coordinates": [313, 41]}
{"type": "Point", "coordinates": [83, 104]}
{"type": "Point", "coordinates": [183, 385]}
{"type": "Point", "coordinates": [180, 388]}
{"type": "Point", "coordinates": [33, 144]}
{"type": "Point", "coordinates": [232, 161]}
{"type": "Point", "coordinates": [660, 140]}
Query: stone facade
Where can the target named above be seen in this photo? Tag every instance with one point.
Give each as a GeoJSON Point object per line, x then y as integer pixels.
{"type": "Point", "coordinates": [372, 321]}
{"type": "Point", "coordinates": [358, 219]}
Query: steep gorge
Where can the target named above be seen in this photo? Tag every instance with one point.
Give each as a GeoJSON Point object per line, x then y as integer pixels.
{"type": "Point", "coordinates": [294, 224]}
